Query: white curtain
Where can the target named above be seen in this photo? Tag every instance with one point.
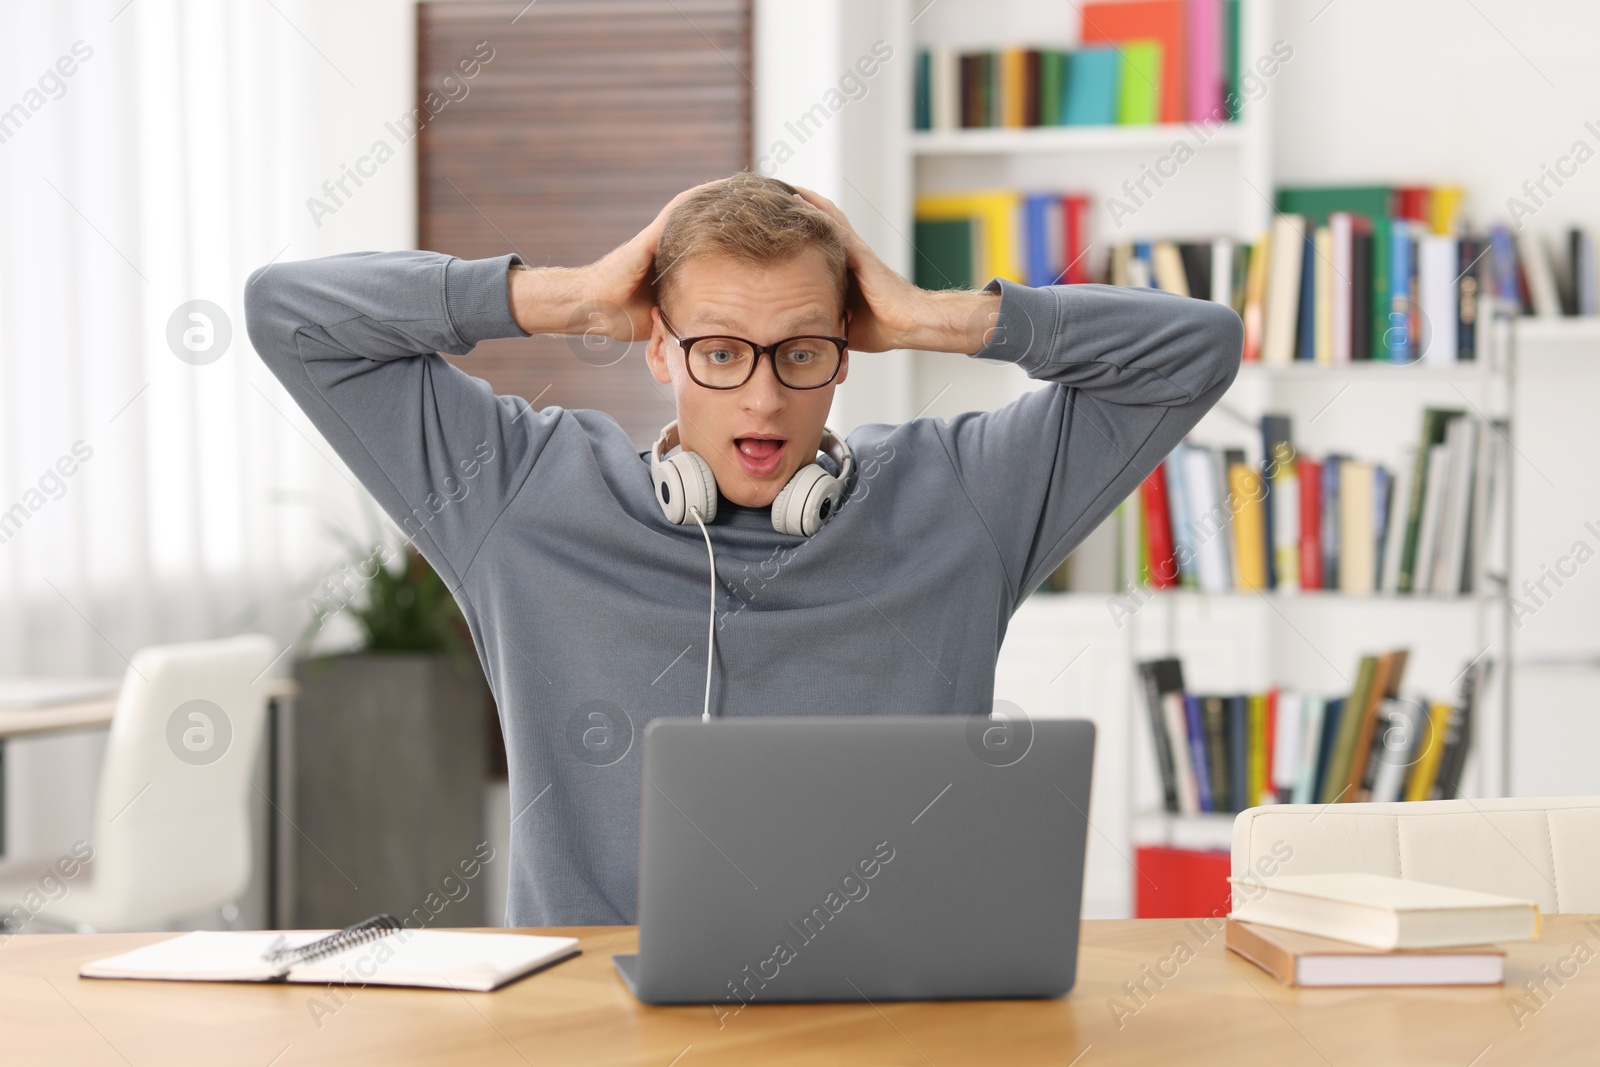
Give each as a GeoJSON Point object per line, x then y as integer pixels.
{"type": "Point", "coordinates": [154, 153]}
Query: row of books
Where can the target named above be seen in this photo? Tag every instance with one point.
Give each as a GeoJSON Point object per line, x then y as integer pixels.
{"type": "Point", "coordinates": [1559, 281]}
{"type": "Point", "coordinates": [1228, 752]}
{"type": "Point", "coordinates": [1207, 518]}
{"type": "Point", "coordinates": [1137, 63]}
{"type": "Point", "coordinates": [1344, 274]}
{"type": "Point", "coordinates": [962, 239]}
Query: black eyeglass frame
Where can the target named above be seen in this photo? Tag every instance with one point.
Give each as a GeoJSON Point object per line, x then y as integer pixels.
{"type": "Point", "coordinates": [686, 343]}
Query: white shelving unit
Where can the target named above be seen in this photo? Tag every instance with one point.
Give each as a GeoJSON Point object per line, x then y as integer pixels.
{"type": "Point", "coordinates": [1066, 654]}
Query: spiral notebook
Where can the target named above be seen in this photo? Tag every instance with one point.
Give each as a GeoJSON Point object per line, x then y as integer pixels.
{"type": "Point", "coordinates": [379, 951]}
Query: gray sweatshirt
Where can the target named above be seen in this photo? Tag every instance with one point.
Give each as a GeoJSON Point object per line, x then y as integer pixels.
{"type": "Point", "coordinates": [589, 610]}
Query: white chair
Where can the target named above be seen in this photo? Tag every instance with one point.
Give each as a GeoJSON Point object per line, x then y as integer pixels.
{"type": "Point", "coordinates": [1536, 848]}
{"type": "Point", "coordinates": [172, 826]}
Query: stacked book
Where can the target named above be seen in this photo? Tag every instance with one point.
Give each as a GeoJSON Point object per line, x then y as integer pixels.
{"type": "Point", "coordinates": [1136, 63]}
{"type": "Point", "coordinates": [1231, 751]}
{"type": "Point", "coordinates": [1210, 519]}
{"type": "Point", "coordinates": [1361, 929]}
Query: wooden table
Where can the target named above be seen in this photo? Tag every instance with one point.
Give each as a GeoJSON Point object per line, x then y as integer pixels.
{"type": "Point", "coordinates": [1214, 1009]}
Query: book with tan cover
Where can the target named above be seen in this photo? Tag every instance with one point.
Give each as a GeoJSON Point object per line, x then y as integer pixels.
{"type": "Point", "coordinates": [1297, 959]}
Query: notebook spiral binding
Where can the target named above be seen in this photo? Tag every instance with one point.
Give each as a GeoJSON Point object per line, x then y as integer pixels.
{"type": "Point", "coordinates": [362, 932]}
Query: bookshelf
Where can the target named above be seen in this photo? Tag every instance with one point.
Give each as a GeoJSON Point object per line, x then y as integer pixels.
{"type": "Point", "coordinates": [1064, 654]}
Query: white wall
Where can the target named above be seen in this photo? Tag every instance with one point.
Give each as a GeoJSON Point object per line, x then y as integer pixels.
{"type": "Point", "coordinates": [1482, 94]}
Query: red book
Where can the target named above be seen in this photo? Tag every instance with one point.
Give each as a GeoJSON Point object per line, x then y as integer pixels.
{"type": "Point", "coordinates": [1075, 238]}
{"type": "Point", "coordinates": [1158, 530]}
{"type": "Point", "coordinates": [1415, 202]}
{"type": "Point", "coordinates": [1178, 883]}
{"type": "Point", "coordinates": [1143, 20]}
{"type": "Point", "coordinates": [1310, 472]}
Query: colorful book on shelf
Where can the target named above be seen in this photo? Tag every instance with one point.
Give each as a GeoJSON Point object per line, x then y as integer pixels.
{"type": "Point", "coordinates": [1041, 231]}
{"type": "Point", "coordinates": [1385, 685]}
{"type": "Point", "coordinates": [1438, 300]}
{"type": "Point", "coordinates": [1205, 30]}
{"type": "Point", "coordinates": [1075, 239]}
{"type": "Point", "coordinates": [922, 113]}
{"type": "Point", "coordinates": [1255, 292]}
{"type": "Point", "coordinates": [1322, 319]}
{"type": "Point", "coordinates": [1336, 780]}
{"type": "Point", "coordinates": [1285, 719]}
{"type": "Point", "coordinates": [1195, 722]}
{"type": "Point", "coordinates": [1013, 88]}
{"type": "Point", "coordinates": [1331, 468]}
{"type": "Point", "coordinates": [1231, 97]}
{"type": "Point", "coordinates": [1430, 747]}
{"type": "Point", "coordinates": [1332, 723]}
{"type": "Point", "coordinates": [1357, 550]}
{"type": "Point", "coordinates": [1238, 724]}
{"type": "Point", "coordinates": [1258, 746]}
{"type": "Point", "coordinates": [1281, 307]}
{"type": "Point", "coordinates": [1312, 711]}
{"type": "Point", "coordinates": [946, 251]}
{"type": "Point", "coordinates": [1249, 531]}
{"type": "Point", "coordinates": [1435, 423]}
{"type": "Point", "coordinates": [1214, 717]}
{"type": "Point", "coordinates": [1306, 309]}
{"type": "Point", "coordinates": [1399, 339]}
{"type": "Point", "coordinates": [1092, 77]}
{"type": "Point", "coordinates": [1052, 85]}
{"type": "Point", "coordinates": [1139, 90]}
{"type": "Point", "coordinates": [1281, 503]}
{"type": "Point", "coordinates": [1340, 286]}
{"type": "Point", "coordinates": [1167, 264]}
{"type": "Point", "coordinates": [1134, 24]}
{"type": "Point", "coordinates": [1470, 251]}
{"type": "Point", "coordinates": [1458, 736]}
{"type": "Point", "coordinates": [1180, 518]}
{"type": "Point", "coordinates": [1309, 487]}
{"type": "Point", "coordinates": [1164, 700]}
{"type": "Point", "coordinates": [997, 210]}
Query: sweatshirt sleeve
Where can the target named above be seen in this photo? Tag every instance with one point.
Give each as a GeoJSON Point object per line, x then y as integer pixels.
{"type": "Point", "coordinates": [1130, 372]}
{"type": "Point", "coordinates": [356, 340]}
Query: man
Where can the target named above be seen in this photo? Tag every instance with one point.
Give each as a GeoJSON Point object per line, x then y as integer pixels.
{"type": "Point", "coordinates": [589, 606]}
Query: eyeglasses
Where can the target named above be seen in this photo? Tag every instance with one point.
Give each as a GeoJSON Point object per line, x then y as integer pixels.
{"type": "Point", "coordinates": [806, 362]}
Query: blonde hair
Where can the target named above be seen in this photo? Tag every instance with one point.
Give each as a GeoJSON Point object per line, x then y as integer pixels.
{"type": "Point", "coordinates": [749, 218]}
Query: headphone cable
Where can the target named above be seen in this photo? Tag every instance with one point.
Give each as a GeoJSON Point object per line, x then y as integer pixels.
{"type": "Point", "coordinates": [711, 622]}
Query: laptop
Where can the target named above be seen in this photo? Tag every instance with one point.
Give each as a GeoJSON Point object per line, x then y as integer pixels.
{"type": "Point", "coordinates": [860, 858]}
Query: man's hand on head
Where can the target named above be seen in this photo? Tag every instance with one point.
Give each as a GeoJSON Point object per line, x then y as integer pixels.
{"type": "Point", "coordinates": [611, 297]}
{"type": "Point", "coordinates": [888, 312]}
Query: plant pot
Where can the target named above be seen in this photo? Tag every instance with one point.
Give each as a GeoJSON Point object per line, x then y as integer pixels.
{"type": "Point", "coordinates": [389, 755]}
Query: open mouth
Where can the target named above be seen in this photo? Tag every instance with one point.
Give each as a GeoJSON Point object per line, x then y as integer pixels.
{"type": "Point", "coordinates": [759, 456]}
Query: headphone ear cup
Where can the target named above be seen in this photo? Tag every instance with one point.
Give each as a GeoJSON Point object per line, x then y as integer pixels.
{"type": "Point", "coordinates": [699, 487]}
{"type": "Point", "coordinates": [669, 491]}
{"type": "Point", "coordinates": [806, 504]}
{"type": "Point", "coordinates": [780, 504]}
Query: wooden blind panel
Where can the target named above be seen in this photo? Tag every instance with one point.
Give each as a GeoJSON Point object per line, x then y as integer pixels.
{"type": "Point", "coordinates": [590, 116]}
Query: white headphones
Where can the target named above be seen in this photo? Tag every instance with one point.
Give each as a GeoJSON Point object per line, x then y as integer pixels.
{"type": "Point", "coordinates": [803, 506]}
